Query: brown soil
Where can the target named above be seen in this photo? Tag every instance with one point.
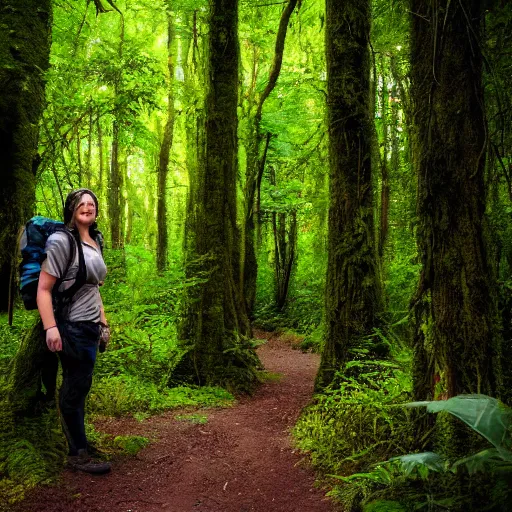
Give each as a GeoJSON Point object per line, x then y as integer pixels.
{"type": "Point", "coordinates": [241, 460]}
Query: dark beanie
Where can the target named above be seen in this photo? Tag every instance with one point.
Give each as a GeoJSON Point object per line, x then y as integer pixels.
{"type": "Point", "coordinates": [73, 200]}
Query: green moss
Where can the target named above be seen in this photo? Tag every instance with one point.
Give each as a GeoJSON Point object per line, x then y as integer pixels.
{"type": "Point", "coordinates": [130, 445]}
{"type": "Point", "coordinates": [200, 419]}
{"type": "Point", "coordinates": [31, 453]}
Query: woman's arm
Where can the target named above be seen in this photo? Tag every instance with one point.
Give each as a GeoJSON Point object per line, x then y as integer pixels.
{"type": "Point", "coordinates": [45, 306]}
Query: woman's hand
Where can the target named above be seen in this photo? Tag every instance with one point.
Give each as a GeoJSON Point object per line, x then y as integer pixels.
{"type": "Point", "coordinates": [53, 339]}
{"type": "Point", "coordinates": [104, 337]}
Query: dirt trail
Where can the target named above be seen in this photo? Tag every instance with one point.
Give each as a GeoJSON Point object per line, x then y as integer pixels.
{"type": "Point", "coordinates": [241, 460]}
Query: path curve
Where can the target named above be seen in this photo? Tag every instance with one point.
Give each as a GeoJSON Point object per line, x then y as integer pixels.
{"type": "Point", "coordinates": [241, 460]}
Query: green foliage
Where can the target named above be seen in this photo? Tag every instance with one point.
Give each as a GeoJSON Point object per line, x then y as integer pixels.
{"type": "Point", "coordinates": [357, 421]}
{"type": "Point", "coordinates": [107, 446]}
{"type": "Point", "coordinates": [31, 453]}
{"type": "Point", "coordinates": [428, 477]}
{"type": "Point", "coordinates": [11, 336]}
{"type": "Point", "coordinates": [124, 394]}
{"type": "Point", "coordinates": [350, 426]}
{"type": "Point", "coordinates": [384, 506]}
{"type": "Point", "coordinates": [483, 414]}
{"type": "Point", "coordinates": [143, 310]}
{"type": "Point", "coordinates": [314, 340]}
{"type": "Point", "coordinates": [130, 445]}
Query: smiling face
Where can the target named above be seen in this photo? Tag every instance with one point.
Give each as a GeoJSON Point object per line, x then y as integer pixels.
{"type": "Point", "coordinates": [85, 212]}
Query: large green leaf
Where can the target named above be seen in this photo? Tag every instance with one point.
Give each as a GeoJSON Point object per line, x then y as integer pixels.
{"type": "Point", "coordinates": [484, 414]}
{"type": "Point", "coordinates": [412, 461]}
{"type": "Point", "coordinates": [497, 459]}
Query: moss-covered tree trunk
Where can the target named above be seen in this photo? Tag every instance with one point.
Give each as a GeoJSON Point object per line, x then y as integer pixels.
{"type": "Point", "coordinates": [353, 296]}
{"type": "Point", "coordinates": [115, 184]}
{"type": "Point", "coordinates": [25, 30]}
{"type": "Point", "coordinates": [216, 319]}
{"type": "Point", "coordinates": [193, 48]}
{"type": "Point", "coordinates": [165, 150]}
{"type": "Point", "coordinates": [115, 189]}
{"type": "Point", "coordinates": [384, 166]}
{"type": "Point", "coordinates": [457, 349]}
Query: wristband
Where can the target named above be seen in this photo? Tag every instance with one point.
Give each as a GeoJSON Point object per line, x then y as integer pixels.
{"type": "Point", "coordinates": [48, 328]}
{"type": "Point", "coordinates": [103, 324]}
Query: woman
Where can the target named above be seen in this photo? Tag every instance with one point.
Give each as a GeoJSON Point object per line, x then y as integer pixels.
{"type": "Point", "coordinates": [75, 330]}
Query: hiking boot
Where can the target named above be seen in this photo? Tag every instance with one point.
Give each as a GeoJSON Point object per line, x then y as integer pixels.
{"type": "Point", "coordinates": [95, 452]}
{"type": "Point", "coordinates": [83, 462]}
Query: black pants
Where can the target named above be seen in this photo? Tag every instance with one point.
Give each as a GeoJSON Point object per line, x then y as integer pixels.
{"type": "Point", "coordinates": [79, 347]}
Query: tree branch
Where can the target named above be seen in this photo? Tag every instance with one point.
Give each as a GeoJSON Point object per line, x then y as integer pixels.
{"type": "Point", "coordinates": [278, 55]}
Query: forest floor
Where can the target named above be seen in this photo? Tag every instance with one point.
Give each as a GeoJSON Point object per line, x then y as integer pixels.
{"type": "Point", "coordinates": [240, 460]}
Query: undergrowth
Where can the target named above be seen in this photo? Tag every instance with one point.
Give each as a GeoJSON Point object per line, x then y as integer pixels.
{"type": "Point", "coordinates": [361, 436]}
{"type": "Point", "coordinates": [121, 395]}
{"type": "Point", "coordinates": [358, 421]}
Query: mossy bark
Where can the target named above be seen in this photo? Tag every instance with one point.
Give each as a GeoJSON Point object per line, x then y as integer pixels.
{"type": "Point", "coordinates": [216, 321]}
{"type": "Point", "coordinates": [353, 293]}
{"type": "Point", "coordinates": [115, 182]}
{"type": "Point", "coordinates": [457, 347]}
{"type": "Point", "coordinates": [165, 150]}
{"type": "Point", "coordinates": [194, 94]}
{"type": "Point", "coordinates": [25, 35]}
{"type": "Point", "coordinates": [24, 384]}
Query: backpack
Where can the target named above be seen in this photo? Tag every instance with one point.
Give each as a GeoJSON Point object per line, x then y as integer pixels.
{"type": "Point", "coordinates": [32, 246]}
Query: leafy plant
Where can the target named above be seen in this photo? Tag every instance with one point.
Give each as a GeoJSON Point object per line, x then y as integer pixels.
{"type": "Point", "coordinates": [124, 394]}
{"type": "Point", "coordinates": [429, 476]}
{"type": "Point", "coordinates": [130, 445]}
{"type": "Point", "coordinates": [483, 414]}
{"type": "Point", "coordinates": [357, 421]}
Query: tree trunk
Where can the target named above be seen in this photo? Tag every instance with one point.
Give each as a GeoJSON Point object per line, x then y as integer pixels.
{"type": "Point", "coordinates": [165, 149]}
{"type": "Point", "coordinates": [101, 170]}
{"type": "Point", "coordinates": [114, 193]}
{"type": "Point", "coordinates": [194, 126]}
{"type": "Point", "coordinates": [116, 177]}
{"type": "Point", "coordinates": [457, 349]}
{"type": "Point", "coordinates": [128, 211]}
{"type": "Point", "coordinates": [353, 294]}
{"type": "Point", "coordinates": [24, 59]}
{"type": "Point", "coordinates": [255, 167]}
{"type": "Point", "coordinates": [79, 166]}
{"type": "Point", "coordinates": [384, 168]}
{"type": "Point", "coordinates": [285, 241]}
{"type": "Point", "coordinates": [216, 319]}
{"type": "Point", "coordinates": [88, 163]}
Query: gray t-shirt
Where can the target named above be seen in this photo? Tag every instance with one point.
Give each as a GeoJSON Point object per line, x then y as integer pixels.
{"type": "Point", "coordinates": [86, 303]}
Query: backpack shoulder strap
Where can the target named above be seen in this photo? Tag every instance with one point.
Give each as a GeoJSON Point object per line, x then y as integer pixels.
{"type": "Point", "coordinates": [71, 259]}
{"type": "Point", "coordinates": [64, 298]}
